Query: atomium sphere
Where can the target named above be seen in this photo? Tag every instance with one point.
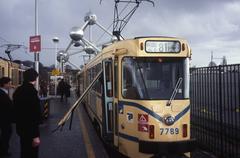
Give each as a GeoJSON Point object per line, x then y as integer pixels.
{"type": "Point", "coordinates": [65, 58]}
{"type": "Point", "coordinates": [89, 50]}
{"type": "Point", "coordinates": [59, 55]}
{"type": "Point", "coordinates": [91, 17]}
{"type": "Point", "coordinates": [76, 33]}
{"type": "Point", "coordinates": [78, 44]}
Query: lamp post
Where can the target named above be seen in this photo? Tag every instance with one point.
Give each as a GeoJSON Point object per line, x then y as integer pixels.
{"type": "Point", "coordinates": [55, 41]}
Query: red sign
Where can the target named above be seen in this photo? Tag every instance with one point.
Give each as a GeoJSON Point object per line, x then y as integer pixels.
{"type": "Point", "coordinates": [143, 127]}
{"type": "Point", "coordinates": [142, 118]}
{"type": "Point", "coordinates": [35, 43]}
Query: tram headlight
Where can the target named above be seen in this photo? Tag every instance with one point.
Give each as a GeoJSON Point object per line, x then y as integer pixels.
{"type": "Point", "coordinates": [169, 120]}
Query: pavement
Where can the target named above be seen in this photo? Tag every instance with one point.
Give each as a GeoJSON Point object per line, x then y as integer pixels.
{"type": "Point", "coordinates": [79, 142]}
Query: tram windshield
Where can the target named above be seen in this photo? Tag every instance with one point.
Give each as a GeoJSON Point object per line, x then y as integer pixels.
{"type": "Point", "coordinates": [152, 78]}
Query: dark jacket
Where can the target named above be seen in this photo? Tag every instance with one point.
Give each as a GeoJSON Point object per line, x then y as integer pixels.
{"type": "Point", "coordinates": [61, 88]}
{"type": "Point", "coordinates": [6, 108]}
{"type": "Point", "coordinates": [27, 108]}
{"type": "Point", "coordinates": [67, 90]}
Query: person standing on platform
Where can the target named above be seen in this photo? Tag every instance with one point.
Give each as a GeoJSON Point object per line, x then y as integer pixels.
{"type": "Point", "coordinates": [67, 91]}
{"type": "Point", "coordinates": [43, 89]}
{"type": "Point", "coordinates": [61, 88]}
{"type": "Point", "coordinates": [6, 116]}
{"type": "Point", "coordinates": [28, 115]}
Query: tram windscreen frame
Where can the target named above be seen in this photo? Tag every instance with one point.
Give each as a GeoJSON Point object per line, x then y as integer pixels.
{"type": "Point", "coordinates": [152, 78]}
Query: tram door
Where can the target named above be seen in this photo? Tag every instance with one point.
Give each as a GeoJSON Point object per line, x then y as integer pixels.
{"type": "Point", "coordinates": [108, 98]}
{"type": "Point", "coordinates": [115, 105]}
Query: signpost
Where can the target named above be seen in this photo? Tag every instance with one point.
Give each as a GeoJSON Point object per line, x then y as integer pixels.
{"type": "Point", "coordinates": [35, 46]}
{"type": "Point", "coordinates": [35, 43]}
{"type": "Point", "coordinates": [55, 72]}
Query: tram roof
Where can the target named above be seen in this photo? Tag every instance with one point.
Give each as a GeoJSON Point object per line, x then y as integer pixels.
{"type": "Point", "coordinates": [140, 37]}
{"type": "Point", "coordinates": [131, 46]}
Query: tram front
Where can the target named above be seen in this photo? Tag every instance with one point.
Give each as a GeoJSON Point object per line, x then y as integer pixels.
{"type": "Point", "coordinates": [154, 110]}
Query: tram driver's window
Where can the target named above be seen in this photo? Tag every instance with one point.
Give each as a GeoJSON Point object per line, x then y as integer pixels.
{"type": "Point", "coordinates": [129, 90]}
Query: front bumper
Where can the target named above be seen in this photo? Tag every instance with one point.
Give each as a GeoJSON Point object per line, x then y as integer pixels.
{"type": "Point", "coordinates": [178, 147]}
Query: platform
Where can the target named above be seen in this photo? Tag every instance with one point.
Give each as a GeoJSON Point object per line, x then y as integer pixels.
{"type": "Point", "coordinates": [79, 142]}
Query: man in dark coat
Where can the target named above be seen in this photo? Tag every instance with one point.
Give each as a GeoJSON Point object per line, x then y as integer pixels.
{"type": "Point", "coordinates": [6, 116]}
{"type": "Point", "coordinates": [67, 90]}
{"type": "Point", "coordinates": [28, 116]}
{"type": "Point", "coordinates": [61, 88]}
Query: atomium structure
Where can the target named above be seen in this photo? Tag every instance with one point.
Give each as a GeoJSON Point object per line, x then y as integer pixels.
{"type": "Point", "coordinates": [77, 35]}
{"type": "Point", "coordinates": [62, 56]}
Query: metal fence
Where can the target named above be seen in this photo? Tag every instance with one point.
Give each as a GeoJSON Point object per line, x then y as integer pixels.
{"type": "Point", "coordinates": [215, 112]}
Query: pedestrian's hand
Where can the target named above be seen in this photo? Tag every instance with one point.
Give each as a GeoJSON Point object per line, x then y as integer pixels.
{"type": "Point", "coordinates": [36, 142]}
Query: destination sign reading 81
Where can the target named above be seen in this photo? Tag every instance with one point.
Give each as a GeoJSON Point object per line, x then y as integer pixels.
{"type": "Point", "coordinates": [162, 46]}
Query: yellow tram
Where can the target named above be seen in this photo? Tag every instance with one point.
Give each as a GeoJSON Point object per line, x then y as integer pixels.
{"type": "Point", "coordinates": [140, 104]}
{"type": "Point", "coordinates": [12, 70]}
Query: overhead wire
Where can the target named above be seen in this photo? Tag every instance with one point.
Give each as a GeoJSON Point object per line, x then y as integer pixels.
{"type": "Point", "coordinates": [22, 45]}
{"type": "Point", "coordinates": [4, 39]}
{"type": "Point", "coordinates": [113, 22]}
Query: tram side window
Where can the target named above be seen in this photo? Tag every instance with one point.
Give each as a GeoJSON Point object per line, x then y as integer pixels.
{"type": "Point", "coordinates": [81, 84]}
{"type": "Point", "coordinates": [19, 77]}
{"type": "Point", "coordinates": [100, 80]}
{"type": "Point", "coordinates": [108, 68]}
{"type": "Point", "coordinates": [14, 77]}
{"type": "Point", "coordinates": [93, 75]}
{"type": "Point", "coordinates": [1, 71]}
{"type": "Point", "coordinates": [98, 85]}
{"type": "Point", "coordinates": [88, 76]}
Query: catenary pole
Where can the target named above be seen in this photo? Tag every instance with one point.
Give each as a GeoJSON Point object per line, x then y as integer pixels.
{"type": "Point", "coordinates": [36, 54]}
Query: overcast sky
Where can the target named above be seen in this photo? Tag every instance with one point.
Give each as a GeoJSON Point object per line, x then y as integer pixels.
{"type": "Point", "coordinates": [208, 25]}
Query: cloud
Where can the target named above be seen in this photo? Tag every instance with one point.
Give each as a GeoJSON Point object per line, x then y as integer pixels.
{"type": "Point", "coordinates": [208, 25]}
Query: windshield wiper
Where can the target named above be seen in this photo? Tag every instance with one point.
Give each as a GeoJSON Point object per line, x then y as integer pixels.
{"type": "Point", "coordinates": [179, 82]}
